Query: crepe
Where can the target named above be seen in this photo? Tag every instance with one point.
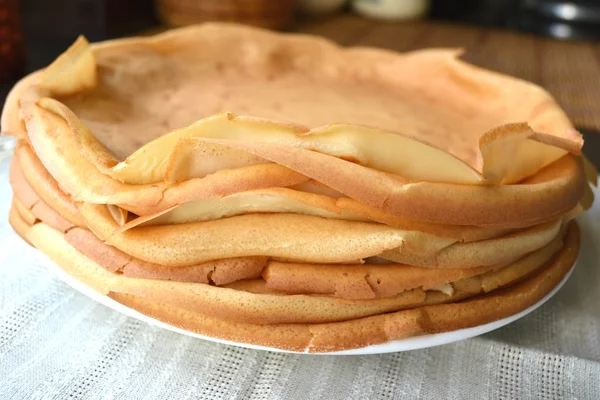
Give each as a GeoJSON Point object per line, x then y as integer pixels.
{"type": "Point", "coordinates": [429, 318]}
{"type": "Point", "coordinates": [547, 137]}
{"type": "Point", "coordinates": [280, 190]}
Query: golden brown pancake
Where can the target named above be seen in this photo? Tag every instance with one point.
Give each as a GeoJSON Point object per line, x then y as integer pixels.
{"type": "Point", "coordinates": [283, 191]}
{"type": "Point", "coordinates": [371, 281]}
{"type": "Point", "coordinates": [216, 272]}
{"type": "Point", "coordinates": [37, 177]}
{"type": "Point", "coordinates": [331, 336]}
{"type": "Point", "coordinates": [353, 281]}
{"type": "Point", "coordinates": [561, 182]}
{"type": "Point", "coordinates": [288, 236]}
{"type": "Point", "coordinates": [244, 305]}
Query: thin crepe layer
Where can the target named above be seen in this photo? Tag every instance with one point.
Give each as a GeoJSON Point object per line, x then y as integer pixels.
{"type": "Point", "coordinates": [217, 272]}
{"type": "Point", "coordinates": [237, 304]}
{"type": "Point", "coordinates": [47, 215]}
{"type": "Point", "coordinates": [271, 200]}
{"type": "Point", "coordinates": [287, 200]}
{"type": "Point", "coordinates": [457, 284]}
{"type": "Point", "coordinates": [347, 334]}
{"type": "Point", "coordinates": [227, 302]}
{"type": "Point", "coordinates": [375, 281]}
{"type": "Point", "coordinates": [561, 183]}
{"type": "Point", "coordinates": [42, 183]}
{"type": "Point", "coordinates": [343, 281]}
{"type": "Point", "coordinates": [482, 253]}
{"type": "Point", "coordinates": [60, 152]}
{"type": "Point", "coordinates": [306, 239]}
{"type": "Point", "coordinates": [289, 236]}
{"type": "Point", "coordinates": [23, 153]}
{"type": "Point", "coordinates": [357, 281]}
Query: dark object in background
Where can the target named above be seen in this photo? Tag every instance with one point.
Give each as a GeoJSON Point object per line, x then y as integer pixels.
{"type": "Point", "coordinates": [575, 19]}
{"type": "Point", "coordinates": [50, 26]}
{"type": "Point", "coordinates": [12, 51]}
{"type": "Point", "coordinates": [273, 14]}
{"type": "Point", "coordinates": [480, 12]}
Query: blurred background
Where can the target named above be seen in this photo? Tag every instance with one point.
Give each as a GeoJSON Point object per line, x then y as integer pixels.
{"type": "Point", "coordinates": [33, 32]}
{"type": "Point", "coordinates": [552, 43]}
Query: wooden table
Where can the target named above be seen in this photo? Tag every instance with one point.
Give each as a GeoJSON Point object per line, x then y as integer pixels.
{"type": "Point", "coordinates": [569, 70]}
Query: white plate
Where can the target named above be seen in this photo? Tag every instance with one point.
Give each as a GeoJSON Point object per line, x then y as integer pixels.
{"type": "Point", "coordinates": [412, 343]}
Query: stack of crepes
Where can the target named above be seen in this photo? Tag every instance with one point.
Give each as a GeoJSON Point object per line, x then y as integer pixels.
{"type": "Point", "coordinates": [355, 197]}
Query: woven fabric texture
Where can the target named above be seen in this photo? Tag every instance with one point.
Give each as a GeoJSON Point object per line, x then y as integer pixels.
{"type": "Point", "coordinates": [57, 344]}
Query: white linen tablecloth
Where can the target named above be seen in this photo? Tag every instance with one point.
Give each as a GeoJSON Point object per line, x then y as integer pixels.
{"type": "Point", "coordinates": [55, 343]}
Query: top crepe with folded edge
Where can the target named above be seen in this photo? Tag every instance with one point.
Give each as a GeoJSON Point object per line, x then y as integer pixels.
{"type": "Point", "coordinates": [561, 183]}
{"type": "Point", "coordinates": [466, 82]}
{"type": "Point", "coordinates": [421, 161]}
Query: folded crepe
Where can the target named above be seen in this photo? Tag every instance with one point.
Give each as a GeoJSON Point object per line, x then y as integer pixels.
{"type": "Point", "coordinates": [233, 181]}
